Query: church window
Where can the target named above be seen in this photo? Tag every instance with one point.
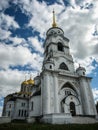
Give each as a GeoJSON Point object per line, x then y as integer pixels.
{"type": "Point", "coordinates": [60, 46]}
{"type": "Point", "coordinates": [25, 113]}
{"type": "Point", "coordinates": [83, 73]}
{"type": "Point", "coordinates": [32, 105]}
{"type": "Point", "coordinates": [23, 104]}
{"type": "Point", "coordinates": [19, 112]}
{"type": "Point", "coordinates": [50, 66]}
{"type": "Point", "coordinates": [9, 105]}
{"type": "Point", "coordinates": [63, 66]}
{"type": "Point", "coordinates": [9, 113]}
{"type": "Point", "coordinates": [46, 51]}
{"type": "Point", "coordinates": [22, 113]}
{"type": "Point", "coordinates": [58, 31]}
{"type": "Point", "coordinates": [67, 92]}
{"type": "Point", "coordinates": [51, 32]}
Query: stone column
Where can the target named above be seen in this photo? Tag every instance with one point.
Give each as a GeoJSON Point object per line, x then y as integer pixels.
{"type": "Point", "coordinates": [91, 98]}
{"type": "Point", "coordinates": [56, 100]}
{"type": "Point", "coordinates": [85, 96]}
{"type": "Point", "coordinates": [46, 95]}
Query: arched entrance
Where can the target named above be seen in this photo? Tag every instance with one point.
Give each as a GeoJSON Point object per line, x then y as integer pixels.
{"type": "Point", "coordinates": [72, 109]}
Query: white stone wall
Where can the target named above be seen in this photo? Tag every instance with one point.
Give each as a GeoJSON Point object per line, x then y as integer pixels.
{"type": "Point", "coordinates": [18, 106]}
{"type": "Point", "coordinates": [62, 59]}
{"type": "Point", "coordinates": [36, 106]}
{"type": "Point", "coordinates": [10, 108]}
{"type": "Point", "coordinates": [87, 97]}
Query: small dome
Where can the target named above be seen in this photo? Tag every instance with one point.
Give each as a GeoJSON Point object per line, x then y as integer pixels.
{"type": "Point", "coordinates": [30, 81]}
{"type": "Point", "coordinates": [25, 82]}
{"type": "Point", "coordinates": [80, 68]}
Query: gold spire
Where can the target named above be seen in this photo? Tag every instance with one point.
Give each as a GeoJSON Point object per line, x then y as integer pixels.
{"type": "Point", "coordinates": [54, 23]}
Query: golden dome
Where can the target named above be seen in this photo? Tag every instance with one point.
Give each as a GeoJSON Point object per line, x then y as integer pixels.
{"type": "Point", "coordinates": [25, 82]}
{"type": "Point", "coordinates": [30, 81]}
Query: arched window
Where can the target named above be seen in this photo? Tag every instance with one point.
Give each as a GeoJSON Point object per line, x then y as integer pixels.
{"type": "Point", "coordinates": [83, 73]}
{"type": "Point", "coordinates": [50, 66]}
{"type": "Point", "coordinates": [63, 66]}
{"type": "Point", "coordinates": [72, 109]}
{"type": "Point", "coordinates": [60, 46]}
{"type": "Point", "coordinates": [70, 88]}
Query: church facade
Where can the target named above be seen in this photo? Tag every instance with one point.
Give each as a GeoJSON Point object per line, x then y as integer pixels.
{"type": "Point", "coordinates": [59, 92]}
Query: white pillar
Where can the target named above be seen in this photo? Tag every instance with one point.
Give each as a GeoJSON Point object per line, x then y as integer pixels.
{"type": "Point", "coordinates": [91, 98]}
{"type": "Point", "coordinates": [56, 100]}
{"type": "Point", "coordinates": [85, 98]}
{"type": "Point", "coordinates": [46, 95]}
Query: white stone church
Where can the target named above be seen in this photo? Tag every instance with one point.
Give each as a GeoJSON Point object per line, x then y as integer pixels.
{"type": "Point", "coordinates": [59, 94]}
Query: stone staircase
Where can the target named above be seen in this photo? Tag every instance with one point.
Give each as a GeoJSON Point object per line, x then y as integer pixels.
{"type": "Point", "coordinates": [84, 120]}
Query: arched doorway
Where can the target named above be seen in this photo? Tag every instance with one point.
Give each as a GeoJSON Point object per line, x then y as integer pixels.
{"type": "Point", "coordinates": [72, 109]}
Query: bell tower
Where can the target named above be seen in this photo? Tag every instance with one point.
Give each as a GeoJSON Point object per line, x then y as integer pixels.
{"type": "Point", "coordinates": [57, 59]}
{"type": "Point", "coordinates": [65, 92]}
{"type": "Point", "coordinates": [57, 55]}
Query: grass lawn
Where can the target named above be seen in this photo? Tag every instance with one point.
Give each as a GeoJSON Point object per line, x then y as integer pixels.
{"type": "Point", "coordinates": [25, 126]}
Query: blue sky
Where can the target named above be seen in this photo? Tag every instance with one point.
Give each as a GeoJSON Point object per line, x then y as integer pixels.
{"type": "Point", "coordinates": [23, 25]}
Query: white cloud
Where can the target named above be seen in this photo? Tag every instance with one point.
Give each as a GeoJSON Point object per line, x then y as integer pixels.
{"type": "Point", "coordinates": [4, 34]}
{"type": "Point", "coordinates": [95, 94]}
{"type": "Point", "coordinates": [14, 56]}
{"type": "Point", "coordinates": [7, 22]}
{"type": "Point", "coordinates": [37, 62]}
{"type": "Point", "coordinates": [36, 44]}
{"type": "Point", "coordinates": [4, 4]}
{"type": "Point", "coordinates": [10, 81]}
{"type": "Point", "coordinates": [87, 63]}
{"type": "Point", "coordinates": [18, 41]}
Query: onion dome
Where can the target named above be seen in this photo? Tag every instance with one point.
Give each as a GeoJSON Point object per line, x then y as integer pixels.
{"type": "Point", "coordinates": [80, 68]}
{"type": "Point", "coordinates": [81, 71]}
{"type": "Point", "coordinates": [30, 81]}
{"type": "Point", "coordinates": [25, 83]}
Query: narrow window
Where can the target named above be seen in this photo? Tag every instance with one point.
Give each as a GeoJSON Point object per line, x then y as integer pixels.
{"type": "Point", "coordinates": [19, 112]}
{"type": "Point", "coordinates": [83, 73]}
{"type": "Point", "coordinates": [9, 105]}
{"type": "Point", "coordinates": [46, 50]}
{"type": "Point", "coordinates": [23, 104]}
{"type": "Point", "coordinates": [9, 113]}
{"type": "Point", "coordinates": [32, 106]}
{"type": "Point", "coordinates": [25, 113]}
{"type": "Point", "coordinates": [50, 66]}
{"type": "Point", "coordinates": [22, 113]}
{"type": "Point", "coordinates": [60, 47]}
